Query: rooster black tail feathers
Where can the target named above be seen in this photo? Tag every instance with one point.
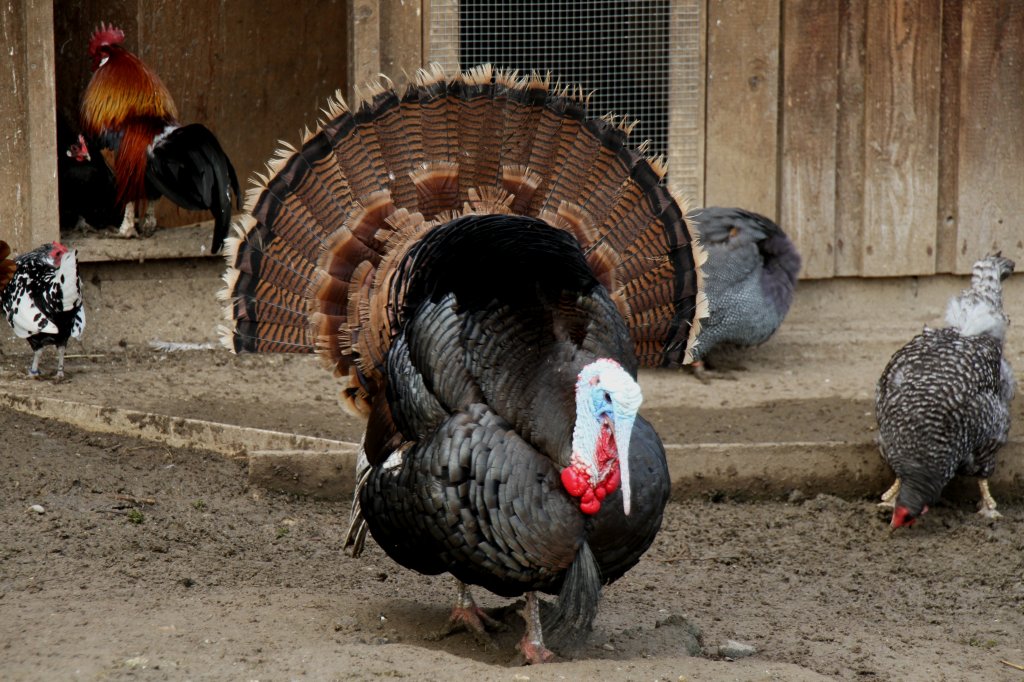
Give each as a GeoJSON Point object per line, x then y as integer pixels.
{"type": "Point", "coordinates": [311, 266]}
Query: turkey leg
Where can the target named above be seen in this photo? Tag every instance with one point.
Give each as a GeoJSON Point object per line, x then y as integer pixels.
{"type": "Point", "coordinates": [532, 643]}
{"type": "Point", "coordinates": [33, 371]}
{"type": "Point", "coordinates": [468, 616]}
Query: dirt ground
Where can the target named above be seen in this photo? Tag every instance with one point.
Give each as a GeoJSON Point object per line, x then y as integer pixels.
{"type": "Point", "coordinates": [149, 562]}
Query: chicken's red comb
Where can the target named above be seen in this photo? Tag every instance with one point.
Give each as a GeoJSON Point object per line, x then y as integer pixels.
{"type": "Point", "coordinates": [106, 34]}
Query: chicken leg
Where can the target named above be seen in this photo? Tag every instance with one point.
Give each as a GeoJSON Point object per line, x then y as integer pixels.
{"type": "Point", "coordinates": [889, 496]}
{"type": "Point", "coordinates": [987, 506]}
{"type": "Point", "coordinates": [33, 371]}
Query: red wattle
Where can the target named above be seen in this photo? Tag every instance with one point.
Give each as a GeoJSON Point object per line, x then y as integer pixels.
{"type": "Point", "coordinates": [613, 479]}
{"type": "Point", "coordinates": [575, 482]}
{"type": "Point", "coordinates": [590, 507]}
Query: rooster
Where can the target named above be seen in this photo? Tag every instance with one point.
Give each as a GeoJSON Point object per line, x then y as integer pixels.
{"type": "Point", "coordinates": [128, 108]}
{"type": "Point", "coordinates": [86, 190]}
{"type": "Point", "coordinates": [43, 300]}
{"type": "Point", "coordinates": [943, 400]}
{"type": "Point", "coordinates": [751, 275]}
{"type": "Point", "coordinates": [485, 268]}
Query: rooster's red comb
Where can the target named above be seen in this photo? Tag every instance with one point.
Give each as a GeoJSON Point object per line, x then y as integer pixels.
{"type": "Point", "coordinates": [106, 34]}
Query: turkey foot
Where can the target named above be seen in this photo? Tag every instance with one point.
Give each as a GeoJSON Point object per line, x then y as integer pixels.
{"type": "Point", "coordinates": [987, 506]}
{"type": "Point", "coordinates": [532, 643]}
{"type": "Point", "coordinates": [468, 616]}
{"type": "Point", "coordinates": [889, 496]}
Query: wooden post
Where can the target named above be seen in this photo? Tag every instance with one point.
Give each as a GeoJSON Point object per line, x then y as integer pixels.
{"type": "Point", "coordinates": [28, 150]}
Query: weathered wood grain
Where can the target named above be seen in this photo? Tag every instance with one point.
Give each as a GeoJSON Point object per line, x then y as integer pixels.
{"type": "Point", "coordinates": [901, 137]}
{"type": "Point", "coordinates": [991, 133]}
{"type": "Point", "coordinates": [810, 86]}
{"type": "Point", "coordinates": [850, 138]}
{"type": "Point", "coordinates": [741, 154]}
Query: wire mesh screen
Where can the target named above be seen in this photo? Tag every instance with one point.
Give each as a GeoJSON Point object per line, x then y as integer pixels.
{"type": "Point", "coordinates": [641, 58]}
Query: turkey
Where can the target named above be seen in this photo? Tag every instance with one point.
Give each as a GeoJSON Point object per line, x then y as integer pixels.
{"type": "Point", "coordinates": [750, 274]}
{"type": "Point", "coordinates": [485, 269]}
{"type": "Point", "coordinates": [943, 400]}
{"type": "Point", "coordinates": [43, 301]}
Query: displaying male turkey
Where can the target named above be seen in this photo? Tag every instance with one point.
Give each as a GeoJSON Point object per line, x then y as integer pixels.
{"type": "Point", "coordinates": [43, 301]}
{"type": "Point", "coordinates": [750, 277]}
{"type": "Point", "coordinates": [485, 269]}
{"type": "Point", "coordinates": [943, 400]}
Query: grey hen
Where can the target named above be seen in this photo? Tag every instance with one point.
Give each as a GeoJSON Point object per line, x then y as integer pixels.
{"type": "Point", "coordinates": [943, 400]}
{"type": "Point", "coordinates": [750, 275]}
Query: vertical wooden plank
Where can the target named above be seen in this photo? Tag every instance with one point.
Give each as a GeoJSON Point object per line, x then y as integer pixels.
{"type": "Point", "coordinates": [810, 60]}
{"type": "Point", "coordinates": [741, 156]}
{"type": "Point", "coordinates": [687, 80]}
{"type": "Point", "coordinates": [364, 34]}
{"type": "Point", "coordinates": [401, 39]}
{"type": "Point", "coordinates": [28, 148]}
{"type": "Point", "coordinates": [850, 138]}
{"type": "Point", "coordinates": [901, 137]}
{"type": "Point", "coordinates": [991, 140]}
{"type": "Point", "coordinates": [949, 137]}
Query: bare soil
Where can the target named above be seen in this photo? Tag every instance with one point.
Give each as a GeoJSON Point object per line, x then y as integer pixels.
{"type": "Point", "coordinates": [149, 562]}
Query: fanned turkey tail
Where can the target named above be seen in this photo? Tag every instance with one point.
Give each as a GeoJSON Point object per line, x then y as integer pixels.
{"type": "Point", "coordinates": [313, 263]}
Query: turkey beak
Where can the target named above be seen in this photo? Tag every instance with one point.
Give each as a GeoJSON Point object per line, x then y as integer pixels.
{"type": "Point", "coordinates": [623, 426]}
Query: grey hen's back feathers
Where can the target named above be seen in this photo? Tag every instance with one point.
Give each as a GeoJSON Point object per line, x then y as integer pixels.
{"type": "Point", "coordinates": [750, 275]}
{"type": "Point", "coordinates": [943, 400]}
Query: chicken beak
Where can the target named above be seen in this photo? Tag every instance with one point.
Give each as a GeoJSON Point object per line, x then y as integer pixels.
{"type": "Point", "coordinates": [623, 427]}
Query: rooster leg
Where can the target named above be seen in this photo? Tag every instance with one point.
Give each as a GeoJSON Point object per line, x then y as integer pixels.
{"type": "Point", "coordinates": [468, 616]}
{"type": "Point", "coordinates": [149, 219]}
{"type": "Point", "coordinates": [532, 643]}
{"type": "Point", "coordinates": [889, 496]}
{"type": "Point", "coordinates": [127, 229]}
{"type": "Point", "coordinates": [987, 506]}
{"type": "Point", "coordinates": [33, 371]}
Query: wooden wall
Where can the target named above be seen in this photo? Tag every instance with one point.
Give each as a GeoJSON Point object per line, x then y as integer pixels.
{"type": "Point", "coordinates": [887, 136]}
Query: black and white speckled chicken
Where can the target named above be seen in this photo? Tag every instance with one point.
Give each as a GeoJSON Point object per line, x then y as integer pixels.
{"type": "Point", "coordinates": [750, 275]}
{"type": "Point", "coordinates": [486, 268]}
{"type": "Point", "coordinates": [43, 301]}
{"type": "Point", "coordinates": [943, 400]}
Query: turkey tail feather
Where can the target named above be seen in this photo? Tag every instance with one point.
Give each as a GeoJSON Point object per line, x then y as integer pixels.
{"type": "Point", "coordinates": [570, 622]}
{"type": "Point", "coordinates": [314, 259]}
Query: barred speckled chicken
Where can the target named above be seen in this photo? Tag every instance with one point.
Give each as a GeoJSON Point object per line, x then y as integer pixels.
{"type": "Point", "coordinates": [943, 400]}
{"type": "Point", "coordinates": [485, 268]}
